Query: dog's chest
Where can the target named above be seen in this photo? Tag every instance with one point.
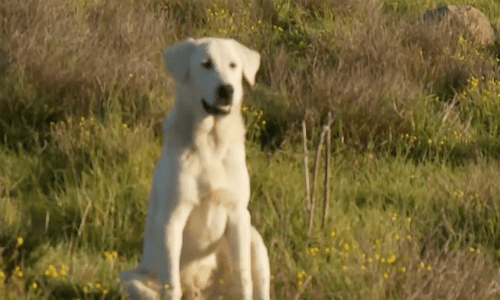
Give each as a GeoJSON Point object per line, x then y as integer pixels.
{"type": "Point", "coordinates": [205, 227]}
{"type": "Point", "coordinates": [213, 168]}
{"type": "Point", "coordinates": [212, 177]}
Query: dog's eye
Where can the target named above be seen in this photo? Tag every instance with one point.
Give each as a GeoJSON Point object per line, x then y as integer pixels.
{"type": "Point", "coordinates": [207, 64]}
{"type": "Point", "coordinates": [232, 65]}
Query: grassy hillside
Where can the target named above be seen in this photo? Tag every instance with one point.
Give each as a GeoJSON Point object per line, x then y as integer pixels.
{"type": "Point", "coordinates": [414, 207]}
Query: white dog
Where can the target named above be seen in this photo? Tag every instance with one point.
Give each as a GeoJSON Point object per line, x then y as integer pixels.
{"type": "Point", "coordinates": [198, 237]}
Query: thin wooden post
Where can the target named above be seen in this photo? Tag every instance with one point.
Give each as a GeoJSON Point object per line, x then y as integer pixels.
{"type": "Point", "coordinates": [315, 176]}
{"type": "Point", "coordinates": [306, 165]}
{"type": "Point", "coordinates": [327, 172]}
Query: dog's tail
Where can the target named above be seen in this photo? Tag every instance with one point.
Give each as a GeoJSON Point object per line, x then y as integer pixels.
{"type": "Point", "coordinates": [140, 285]}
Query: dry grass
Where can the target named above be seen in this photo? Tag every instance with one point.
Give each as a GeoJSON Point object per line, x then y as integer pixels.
{"type": "Point", "coordinates": [372, 70]}
{"type": "Point", "coordinates": [74, 58]}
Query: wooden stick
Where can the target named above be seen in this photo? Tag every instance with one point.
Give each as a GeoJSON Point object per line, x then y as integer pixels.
{"type": "Point", "coordinates": [327, 172]}
{"type": "Point", "coordinates": [315, 175]}
{"type": "Point", "coordinates": [306, 165]}
{"type": "Point", "coordinates": [47, 219]}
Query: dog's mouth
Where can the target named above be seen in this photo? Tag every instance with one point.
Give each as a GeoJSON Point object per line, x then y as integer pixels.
{"type": "Point", "coordinates": [215, 110]}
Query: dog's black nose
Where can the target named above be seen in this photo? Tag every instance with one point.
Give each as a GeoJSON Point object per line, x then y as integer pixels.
{"type": "Point", "coordinates": [225, 94]}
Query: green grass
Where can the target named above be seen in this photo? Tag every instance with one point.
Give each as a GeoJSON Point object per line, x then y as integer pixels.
{"type": "Point", "coordinates": [414, 206]}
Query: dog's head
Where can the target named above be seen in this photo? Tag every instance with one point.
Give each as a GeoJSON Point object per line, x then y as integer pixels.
{"type": "Point", "coordinates": [211, 69]}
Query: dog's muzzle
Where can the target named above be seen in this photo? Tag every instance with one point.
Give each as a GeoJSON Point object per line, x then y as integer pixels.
{"type": "Point", "coordinates": [215, 110]}
{"type": "Point", "coordinates": [224, 96]}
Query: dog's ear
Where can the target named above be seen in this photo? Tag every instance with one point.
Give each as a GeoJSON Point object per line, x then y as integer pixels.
{"type": "Point", "coordinates": [250, 60]}
{"type": "Point", "coordinates": [176, 58]}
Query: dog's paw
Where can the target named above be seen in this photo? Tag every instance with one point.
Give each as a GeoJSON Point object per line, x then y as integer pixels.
{"type": "Point", "coordinates": [170, 293]}
{"type": "Point", "coordinates": [137, 290]}
{"type": "Point", "coordinates": [139, 286]}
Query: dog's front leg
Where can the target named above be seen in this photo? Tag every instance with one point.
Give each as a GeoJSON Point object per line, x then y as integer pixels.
{"type": "Point", "coordinates": [171, 227]}
{"type": "Point", "coordinates": [239, 244]}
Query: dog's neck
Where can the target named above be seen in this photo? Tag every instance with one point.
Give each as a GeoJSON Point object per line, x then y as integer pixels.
{"type": "Point", "coordinates": [202, 132]}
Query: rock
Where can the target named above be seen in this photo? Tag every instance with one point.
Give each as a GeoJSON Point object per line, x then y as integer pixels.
{"type": "Point", "coordinates": [469, 18]}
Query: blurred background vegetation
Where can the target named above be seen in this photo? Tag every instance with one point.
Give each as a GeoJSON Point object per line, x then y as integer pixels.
{"type": "Point", "coordinates": [414, 208]}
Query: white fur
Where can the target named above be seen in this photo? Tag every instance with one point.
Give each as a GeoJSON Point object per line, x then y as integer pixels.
{"type": "Point", "coordinates": [198, 230]}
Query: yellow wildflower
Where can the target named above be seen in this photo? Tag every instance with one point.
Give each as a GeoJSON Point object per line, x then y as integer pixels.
{"type": "Point", "coordinates": [301, 274]}
{"type": "Point", "coordinates": [17, 272]}
{"type": "Point", "coordinates": [313, 251]}
{"type": "Point", "coordinates": [19, 242]}
{"type": "Point", "coordinates": [391, 258]}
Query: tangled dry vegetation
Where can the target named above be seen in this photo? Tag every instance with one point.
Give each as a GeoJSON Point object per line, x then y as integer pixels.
{"type": "Point", "coordinates": [414, 198]}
